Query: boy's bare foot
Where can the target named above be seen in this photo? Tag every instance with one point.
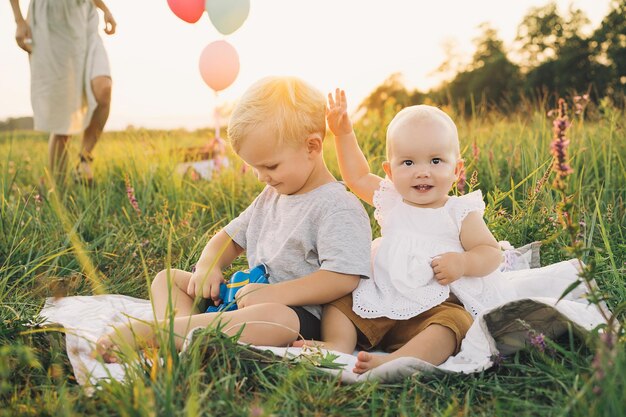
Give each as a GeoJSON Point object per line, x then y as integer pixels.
{"type": "Point", "coordinates": [366, 361]}
{"type": "Point", "coordinates": [106, 349]}
{"type": "Point", "coordinates": [126, 336]}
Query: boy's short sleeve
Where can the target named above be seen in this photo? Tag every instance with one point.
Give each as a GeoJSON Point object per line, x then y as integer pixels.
{"type": "Point", "coordinates": [238, 227]}
{"type": "Point", "coordinates": [343, 243]}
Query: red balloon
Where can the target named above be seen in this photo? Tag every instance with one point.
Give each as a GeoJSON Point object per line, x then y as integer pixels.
{"type": "Point", "coordinates": [188, 10]}
{"type": "Point", "coordinates": [219, 65]}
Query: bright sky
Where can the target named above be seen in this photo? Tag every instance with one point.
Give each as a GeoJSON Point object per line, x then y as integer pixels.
{"type": "Point", "coordinates": [354, 44]}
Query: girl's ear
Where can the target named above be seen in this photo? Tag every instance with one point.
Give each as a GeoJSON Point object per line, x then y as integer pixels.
{"type": "Point", "coordinates": [314, 144]}
{"type": "Point", "coordinates": [387, 169]}
{"type": "Point", "coordinates": [460, 163]}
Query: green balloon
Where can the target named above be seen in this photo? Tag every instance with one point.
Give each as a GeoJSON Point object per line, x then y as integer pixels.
{"type": "Point", "coordinates": [227, 15]}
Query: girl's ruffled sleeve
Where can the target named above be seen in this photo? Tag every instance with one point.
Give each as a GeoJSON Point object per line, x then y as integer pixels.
{"type": "Point", "coordinates": [385, 199]}
{"type": "Point", "coordinates": [468, 203]}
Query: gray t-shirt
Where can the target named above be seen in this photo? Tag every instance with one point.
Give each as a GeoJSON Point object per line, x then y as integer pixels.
{"type": "Point", "coordinates": [296, 235]}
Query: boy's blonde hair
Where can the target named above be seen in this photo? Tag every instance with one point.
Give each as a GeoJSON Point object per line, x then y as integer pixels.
{"type": "Point", "coordinates": [290, 107]}
{"type": "Point", "coordinates": [424, 113]}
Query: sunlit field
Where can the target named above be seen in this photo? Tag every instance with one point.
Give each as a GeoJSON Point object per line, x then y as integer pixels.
{"type": "Point", "coordinates": [79, 240]}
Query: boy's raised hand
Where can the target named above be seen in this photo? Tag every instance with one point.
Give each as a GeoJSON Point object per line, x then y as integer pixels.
{"type": "Point", "coordinates": [337, 114]}
{"type": "Point", "coordinates": [205, 284]}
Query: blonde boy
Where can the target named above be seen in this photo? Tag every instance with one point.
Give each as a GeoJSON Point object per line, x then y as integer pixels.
{"type": "Point", "coordinates": [313, 235]}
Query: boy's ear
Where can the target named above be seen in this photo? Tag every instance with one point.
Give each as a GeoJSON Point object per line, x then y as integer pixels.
{"type": "Point", "coordinates": [460, 163]}
{"type": "Point", "coordinates": [314, 143]}
{"type": "Point", "coordinates": [387, 169]}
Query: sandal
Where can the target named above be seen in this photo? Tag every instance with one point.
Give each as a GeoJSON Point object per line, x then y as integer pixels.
{"type": "Point", "coordinates": [82, 172]}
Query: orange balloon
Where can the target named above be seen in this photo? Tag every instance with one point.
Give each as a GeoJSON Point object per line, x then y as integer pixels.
{"type": "Point", "coordinates": [219, 65]}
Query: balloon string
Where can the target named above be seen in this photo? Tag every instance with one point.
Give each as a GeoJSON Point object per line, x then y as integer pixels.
{"type": "Point", "coordinates": [216, 118]}
{"type": "Point", "coordinates": [218, 146]}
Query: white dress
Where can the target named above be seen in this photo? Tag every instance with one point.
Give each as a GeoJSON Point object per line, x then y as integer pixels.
{"type": "Point", "coordinates": [404, 284]}
{"type": "Point", "coordinates": [67, 54]}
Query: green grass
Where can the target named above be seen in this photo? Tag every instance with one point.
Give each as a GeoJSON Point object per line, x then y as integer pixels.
{"type": "Point", "coordinates": [87, 241]}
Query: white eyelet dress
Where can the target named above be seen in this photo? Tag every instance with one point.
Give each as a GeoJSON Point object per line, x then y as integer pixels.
{"type": "Point", "coordinates": [403, 283]}
{"type": "Point", "coordinates": [67, 54]}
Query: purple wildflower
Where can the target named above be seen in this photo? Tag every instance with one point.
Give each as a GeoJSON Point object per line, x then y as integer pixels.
{"type": "Point", "coordinates": [609, 339]}
{"type": "Point", "coordinates": [604, 358]}
{"type": "Point", "coordinates": [38, 201]}
{"type": "Point", "coordinates": [460, 184]}
{"type": "Point", "coordinates": [256, 411]}
{"type": "Point", "coordinates": [542, 181]}
{"type": "Point", "coordinates": [497, 359]}
{"type": "Point", "coordinates": [130, 192]}
{"type": "Point", "coordinates": [538, 340]}
{"type": "Point", "coordinates": [559, 146]}
{"type": "Point", "coordinates": [475, 150]}
{"type": "Point", "coordinates": [580, 102]}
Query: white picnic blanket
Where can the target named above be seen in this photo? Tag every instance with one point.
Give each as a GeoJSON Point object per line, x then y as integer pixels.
{"type": "Point", "coordinates": [500, 330]}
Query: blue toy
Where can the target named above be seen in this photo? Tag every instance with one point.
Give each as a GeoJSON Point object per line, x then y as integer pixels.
{"type": "Point", "coordinates": [256, 275]}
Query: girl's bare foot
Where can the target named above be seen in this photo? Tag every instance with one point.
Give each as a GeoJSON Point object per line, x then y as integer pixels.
{"type": "Point", "coordinates": [366, 361]}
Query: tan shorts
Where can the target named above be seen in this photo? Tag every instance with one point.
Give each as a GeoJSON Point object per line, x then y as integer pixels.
{"type": "Point", "coordinates": [391, 334]}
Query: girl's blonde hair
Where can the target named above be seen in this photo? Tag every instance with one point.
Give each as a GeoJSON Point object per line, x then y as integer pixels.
{"type": "Point", "coordinates": [424, 113]}
{"type": "Point", "coordinates": [290, 107]}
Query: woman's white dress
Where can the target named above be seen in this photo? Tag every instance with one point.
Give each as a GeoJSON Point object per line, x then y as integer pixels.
{"type": "Point", "coordinates": [67, 54]}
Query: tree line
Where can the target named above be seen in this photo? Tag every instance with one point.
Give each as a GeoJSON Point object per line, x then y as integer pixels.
{"type": "Point", "coordinates": [551, 57]}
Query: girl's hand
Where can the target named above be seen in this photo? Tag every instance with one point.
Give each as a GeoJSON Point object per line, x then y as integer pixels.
{"type": "Point", "coordinates": [109, 23]}
{"type": "Point", "coordinates": [24, 37]}
{"type": "Point", "coordinates": [337, 114]}
{"type": "Point", "coordinates": [448, 267]}
{"type": "Point", "coordinates": [205, 284]}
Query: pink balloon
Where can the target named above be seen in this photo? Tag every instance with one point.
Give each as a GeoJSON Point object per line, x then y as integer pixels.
{"type": "Point", "coordinates": [219, 65]}
{"type": "Point", "coordinates": [188, 10]}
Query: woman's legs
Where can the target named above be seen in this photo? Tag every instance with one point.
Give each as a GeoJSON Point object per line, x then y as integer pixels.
{"type": "Point", "coordinates": [57, 156]}
{"type": "Point", "coordinates": [101, 87]}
